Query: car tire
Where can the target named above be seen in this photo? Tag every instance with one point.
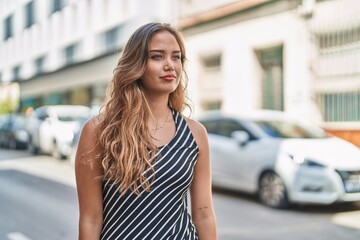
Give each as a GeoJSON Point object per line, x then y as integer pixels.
{"type": "Point", "coordinates": [13, 144]}
{"type": "Point", "coordinates": [1, 142]}
{"type": "Point", "coordinates": [272, 191]}
{"type": "Point", "coordinates": [32, 147]}
{"type": "Point", "coordinates": [56, 152]}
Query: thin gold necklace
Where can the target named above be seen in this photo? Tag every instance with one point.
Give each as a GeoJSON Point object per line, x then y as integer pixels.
{"type": "Point", "coordinates": [161, 126]}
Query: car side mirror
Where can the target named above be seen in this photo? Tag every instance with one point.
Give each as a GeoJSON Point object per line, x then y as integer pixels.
{"type": "Point", "coordinates": [48, 120]}
{"type": "Point", "coordinates": [241, 137]}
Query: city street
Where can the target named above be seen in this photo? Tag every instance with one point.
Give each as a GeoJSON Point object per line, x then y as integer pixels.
{"type": "Point", "coordinates": [38, 202]}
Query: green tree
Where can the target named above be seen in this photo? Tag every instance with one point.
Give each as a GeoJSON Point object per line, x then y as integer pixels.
{"type": "Point", "coordinates": [6, 106]}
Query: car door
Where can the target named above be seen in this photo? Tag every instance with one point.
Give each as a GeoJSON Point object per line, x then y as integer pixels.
{"type": "Point", "coordinates": [4, 130]}
{"type": "Point", "coordinates": [237, 163]}
{"type": "Point", "coordinates": [45, 132]}
{"type": "Point", "coordinates": [216, 166]}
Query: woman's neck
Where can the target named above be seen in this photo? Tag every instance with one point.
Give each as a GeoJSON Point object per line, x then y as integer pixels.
{"type": "Point", "coordinates": [158, 107]}
{"type": "Point", "coordinates": [159, 111]}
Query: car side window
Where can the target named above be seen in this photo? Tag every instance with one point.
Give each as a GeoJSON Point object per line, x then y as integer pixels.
{"type": "Point", "coordinates": [2, 121]}
{"type": "Point", "coordinates": [211, 126]}
{"type": "Point", "coordinates": [41, 114]}
{"type": "Point", "coordinates": [227, 127]}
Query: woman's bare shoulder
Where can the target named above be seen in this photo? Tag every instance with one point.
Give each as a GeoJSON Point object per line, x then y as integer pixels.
{"type": "Point", "coordinates": [91, 126]}
{"type": "Point", "coordinates": [88, 146]}
{"type": "Point", "coordinates": [90, 133]}
{"type": "Point", "coordinates": [195, 126]}
{"type": "Point", "coordinates": [198, 130]}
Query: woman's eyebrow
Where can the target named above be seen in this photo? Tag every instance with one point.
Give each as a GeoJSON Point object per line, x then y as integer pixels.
{"type": "Point", "coordinates": [158, 50]}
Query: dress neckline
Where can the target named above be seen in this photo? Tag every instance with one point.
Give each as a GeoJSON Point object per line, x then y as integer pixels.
{"type": "Point", "coordinates": [174, 115]}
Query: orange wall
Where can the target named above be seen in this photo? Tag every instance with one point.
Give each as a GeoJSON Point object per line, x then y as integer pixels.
{"type": "Point", "coordinates": [352, 136]}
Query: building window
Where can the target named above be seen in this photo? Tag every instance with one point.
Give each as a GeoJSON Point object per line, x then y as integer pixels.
{"type": "Point", "coordinates": [211, 62]}
{"type": "Point", "coordinates": [80, 96]}
{"type": "Point", "coordinates": [271, 61]}
{"type": "Point", "coordinates": [29, 14]}
{"type": "Point", "coordinates": [110, 40]}
{"type": "Point", "coordinates": [39, 65]}
{"type": "Point", "coordinates": [56, 98]}
{"type": "Point", "coordinates": [31, 102]}
{"type": "Point", "coordinates": [16, 73]}
{"type": "Point", "coordinates": [340, 38]}
{"type": "Point", "coordinates": [98, 95]}
{"type": "Point", "coordinates": [57, 5]}
{"type": "Point", "coordinates": [210, 84]}
{"type": "Point", "coordinates": [8, 27]}
{"type": "Point", "coordinates": [340, 107]}
{"type": "Point", "coordinates": [0, 77]}
{"type": "Point", "coordinates": [211, 105]}
{"type": "Point", "coordinates": [70, 53]}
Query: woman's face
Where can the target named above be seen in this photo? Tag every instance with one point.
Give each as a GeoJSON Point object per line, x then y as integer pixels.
{"type": "Point", "coordinates": [163, 66]}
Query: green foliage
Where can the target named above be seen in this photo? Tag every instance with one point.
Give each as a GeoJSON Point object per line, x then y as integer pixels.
{"type": "Point", "coordinates": [6, 106]}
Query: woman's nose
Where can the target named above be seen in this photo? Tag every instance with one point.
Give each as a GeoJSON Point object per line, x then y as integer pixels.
{"type": "Point", "coordinates": [169, 65]}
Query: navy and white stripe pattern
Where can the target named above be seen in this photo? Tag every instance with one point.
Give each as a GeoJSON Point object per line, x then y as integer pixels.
{"type": "Point", "coordinates": [163, 212]}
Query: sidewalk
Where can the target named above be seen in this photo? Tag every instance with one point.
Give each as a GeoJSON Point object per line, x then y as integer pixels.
{"type": "Point", "coordinates": [43, 166]}
{"type": "Point", "coordinates": [347, 219]}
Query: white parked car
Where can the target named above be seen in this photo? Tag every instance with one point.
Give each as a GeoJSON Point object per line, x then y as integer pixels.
{"type": "Point", "coordinates": [51, 128]}
{"type": "Point", "coordinates": [281, 159]}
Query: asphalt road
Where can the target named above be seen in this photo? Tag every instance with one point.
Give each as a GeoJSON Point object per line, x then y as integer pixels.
{"type": "Point", "coordinates": [37, 198]}
{"type": "Point", "coordinates": [38, 202]}
{"type": "Point", "coordinates": [242, 217]}
{"type": "Point", "coordinates": [37, 208]}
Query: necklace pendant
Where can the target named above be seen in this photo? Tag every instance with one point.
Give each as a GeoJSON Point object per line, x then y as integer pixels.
{"type": "Point", "coordinates": [161, 126]}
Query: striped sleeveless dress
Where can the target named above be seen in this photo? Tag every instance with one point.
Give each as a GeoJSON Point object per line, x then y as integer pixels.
{"type": "Point", "coordinates": [163, 212]}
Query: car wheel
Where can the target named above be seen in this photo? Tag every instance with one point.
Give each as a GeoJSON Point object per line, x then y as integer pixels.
{"type": "Point", "coordinates": [12, 144]}
{"type": "Point", "coordinates": [1, 142]}
{"type": "Point", "coordinates": [32, 148]}
{"type": "Point", "coordinates": [272, 191]}
{"type": "Point", "coordinates": [55, 151]}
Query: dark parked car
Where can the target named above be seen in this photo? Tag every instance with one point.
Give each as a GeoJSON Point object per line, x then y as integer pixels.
{"type": "Point", "coordinates": [13, 133]}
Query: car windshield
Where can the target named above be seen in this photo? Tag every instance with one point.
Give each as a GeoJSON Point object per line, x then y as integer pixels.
{"type": "Point", "coordinates": [286, 129]}
{"type": "Point", "coordinates": [71, 118]}
{"type": "Point", "coordinates": [19, 122]}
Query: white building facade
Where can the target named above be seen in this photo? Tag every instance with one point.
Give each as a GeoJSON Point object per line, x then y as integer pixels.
{"type": "Point", "coordinates": [64, 51]}
{"type": "Point", "coordinates": [299, 56]}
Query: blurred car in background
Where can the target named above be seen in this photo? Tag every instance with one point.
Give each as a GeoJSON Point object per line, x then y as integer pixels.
{"type": "Point", "coordinates": [281, 159]}
{"type": "Point", "coordinates": [75, 142]}
{"type": "Point", "coordinates": [51, 128]}
{"type": "Point", "coordinates": [13, 133]}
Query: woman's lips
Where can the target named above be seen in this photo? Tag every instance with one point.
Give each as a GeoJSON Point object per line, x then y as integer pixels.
{"type": "Point", "coordinates": [169, 77]}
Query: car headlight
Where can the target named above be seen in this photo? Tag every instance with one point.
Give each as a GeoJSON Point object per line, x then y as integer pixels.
{"type": "Point", "coordinates": [68, 136]}
{"type": "Point", "coordinates": [22, 135]}
{"type": "Point", "coordinates": [303, 161]}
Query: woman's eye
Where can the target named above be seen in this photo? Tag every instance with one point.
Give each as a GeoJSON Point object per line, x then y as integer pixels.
{"type": "Point", "coordinates": [156, 57]}
{"type": "Point", "coordinates": [178, 57]}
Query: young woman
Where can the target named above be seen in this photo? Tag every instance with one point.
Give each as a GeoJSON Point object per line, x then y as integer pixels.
{"type": "Point", "coordinates": [139, 157]}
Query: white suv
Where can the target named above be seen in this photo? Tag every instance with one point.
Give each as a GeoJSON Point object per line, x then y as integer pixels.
{"type": "Point", "coordinates": [51, 128]}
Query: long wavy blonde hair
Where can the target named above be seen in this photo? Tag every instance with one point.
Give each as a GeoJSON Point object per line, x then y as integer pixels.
{"type": "Point", "coordinates": [125, 141]}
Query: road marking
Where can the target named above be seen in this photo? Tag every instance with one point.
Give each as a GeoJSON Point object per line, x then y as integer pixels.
{"type": "Point", "coordinates": [347, 219]}
{"type": "Point", "coordinates": [17, 236]}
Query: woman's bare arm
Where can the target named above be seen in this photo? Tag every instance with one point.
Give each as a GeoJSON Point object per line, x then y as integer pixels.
{"type": "Point", "coordinates": [89, 186]}
{"type": "Point", "coordinates": [201, 192]}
